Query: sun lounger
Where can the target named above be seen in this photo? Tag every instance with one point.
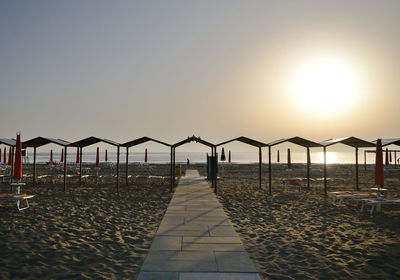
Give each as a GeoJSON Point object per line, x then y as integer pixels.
{"type": "Point", "coordinates": [18, 198]}
{"type": "Point", "coordinates": [339, 196]}
{"type": "Point", "coordinates": [376, 203]}
{"type": "Point", "coordinates": [293, 185]}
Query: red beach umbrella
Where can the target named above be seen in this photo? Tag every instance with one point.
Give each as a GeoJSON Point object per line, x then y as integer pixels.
{"type": "Point", "coordinates": [387, 157]}
{"type": "Point", "coordinates": [10, 155]}
{"type": "Point", "coordinates": [379, 177]}
{"type": "Point", "coordinates": [289, 164]}
{"type": "Point", "coordinates": [277, 157]}
{"type": "Point", "coordinates": [62, 155]}
{"type": "Point", "coordinates": [51, 155]}
{"type": "Point", "coordinates": [308, 157]}
{"type": "Point", "coordinates": [77, 155]}
{"type": "Point", "coordinates": [5, 155]}
{"type": "Point", "coordinates": [106, 157]}
{"type": "Point", "coordinates": [18, 159]}
{"type": "Point", "coordinates": [145, 155]}
{"type": "Point", "coordinates": [229, 156]}
{"type": "Point", "coordinates": [97, 158]}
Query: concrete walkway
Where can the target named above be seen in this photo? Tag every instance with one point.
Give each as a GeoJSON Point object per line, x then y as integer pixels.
{"type": "Point", "coordinates": [196, 240]}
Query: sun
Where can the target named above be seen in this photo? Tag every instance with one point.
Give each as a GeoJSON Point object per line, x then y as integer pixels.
{"type": "Point", "coordinates": [325, 85]}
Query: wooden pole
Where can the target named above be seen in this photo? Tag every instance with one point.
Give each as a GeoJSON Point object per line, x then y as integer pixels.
{"type": "Point", "coordinates": [126, 166]}
{"type": "Point", "coordinates": [216, 168]}
{"type": "Point", "coordinates": [171, 166]}
{"type": "Point", "coordinates": [357, 187]}
{"type": "Point", "coordinates": [325, 174]}
{"type": "Point", "coordinates": [365, 160]}
{"type": "Point", "coordinates": [395, 159]}
{"type": "Point", "coordinates": [80, 166]}
{"type": "Point", "coordinates": [117, 169]}
{"type": "Point", "coordinates": [259, 166]}
{"type": "Point", "coordinates": [174, 167]}
{"type": "Point", "coordinates": [65, 168]}
{"type": "Point", "coordinates": [269, 170]}
{"type": "Point", "coordinates": [308, 168]}
{"type": "Point", "coordinates": [34, 166]}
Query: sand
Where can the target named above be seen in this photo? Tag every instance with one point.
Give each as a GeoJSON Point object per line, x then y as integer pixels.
{"type": "Point", "coordinates": [86, 233]}
{"type": "Point", "coordinates": [302, 236]}
{"type": "Point", "coordinates": [92, 232]}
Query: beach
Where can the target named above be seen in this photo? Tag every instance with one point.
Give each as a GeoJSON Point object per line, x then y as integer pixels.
{"type": "Point", "coordinates": [302, 236]}
{"type": "Point", "coordinates": [93, 232]}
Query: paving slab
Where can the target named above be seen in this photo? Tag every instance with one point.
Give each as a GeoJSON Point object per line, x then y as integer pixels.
{"type": "Point", "coordinates": [196, 239]}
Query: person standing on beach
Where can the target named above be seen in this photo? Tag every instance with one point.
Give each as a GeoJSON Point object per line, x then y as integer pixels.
{"type": "Point", "coordinates": [187, 161]}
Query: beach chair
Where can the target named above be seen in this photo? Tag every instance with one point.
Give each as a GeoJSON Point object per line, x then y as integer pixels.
{"type": "Point", "coordinates": [376, 203]}
{"type": "Point", "coordinates": [293, 185]}
{"type": "Point", "coordinates": [17, 198]}
{"type": "Point", "coordinates": [339, 196]}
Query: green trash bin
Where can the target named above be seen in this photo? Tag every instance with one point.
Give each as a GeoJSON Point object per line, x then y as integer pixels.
{"type": "Point", "coordinates": [178, 169]}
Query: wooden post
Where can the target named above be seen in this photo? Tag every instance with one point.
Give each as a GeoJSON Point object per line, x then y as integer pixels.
{"type": "Point", "coordinates": [357, 187]}
{"type": "Point", "coordinates": [126, 167]}
{"type": "Point", "coordinates": [325, 174]}
{"type": "Point", "coordinates": [171, 166]}
{"type": "Point", "coordinates": [65, 168]}
{"type": "Point", "coordinates": [34, 166]}
{"type": "Point", "coordinates": [117, 169]}
{"type": "Point", "coordinates": [365, 160]}
{"type": "Point", "coordinates": [80, 166]}
{"type": "Point", "coordinates": [308, 167]}
{"type": "Point", "coordinates": [259, 166]}
{"type": "Point", "coordinates": [395, 159]}
{"type": "Point", "coordinates": [216, 168]}
{"type": "Point", "coordinates": [269, 170]}
{"type": "Point", "coordinates": [173, 178]}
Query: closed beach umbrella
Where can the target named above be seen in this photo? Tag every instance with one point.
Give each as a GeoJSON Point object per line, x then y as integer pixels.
{"type": "Point", "coordinates": [77, 155]}
{"type": "Point", "coordinates": [379, 178]}
{"type": "Point", "coordinates": [277, 157]}
{"type": "Point", "coordinates": [387, 157]}
{"type": "Point", "coordinates": [97, 158]}
{"type": "Point", "coordinates": [5, 155]}
{"type": "Point", "coordinates": [9, 156]}
{"type": "Point", "coordinates": [106, 156]}
{"type": "Point", "coordinates": [62, 155]}
{"type": "Point", "coordinates": [0, 155]}
{"type": "Point", "coordinates": [18, 159]}
{"type": "Point", "coordinates": [308, 157]}
{"type": "Point", "coordinates": [51, 155]}
{"type": "Point", "coordinates": [223, 158]}
{"type": "Point", "coordinates": [229, 156]}
{"type": "Point", "coordinates": [289, 164]}
{"type": "Point", "coordinates": [145, 155]}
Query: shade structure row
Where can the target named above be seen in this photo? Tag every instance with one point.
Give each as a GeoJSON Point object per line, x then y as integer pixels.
{"type": "Point", "coordinates": [349, 141]}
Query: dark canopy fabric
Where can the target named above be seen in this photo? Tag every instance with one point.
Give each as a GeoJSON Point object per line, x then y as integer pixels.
{"type": "Point", "coordinates": [296, 140]}
{"type": "Point", "coordinates": [142, 140]}
{"type": "Point", "coordinates": [8, 142]}
{"type": "Point", "coordinates": [349, 141]}
{"type": "Point", "coordinates": [92, 140]}
{"type": "Point", "coordinates": [245, 140]}
{"type": "Point", "coordinates": [193, 139]}
{"type": "Point", "coordinates": [390, 141]}
{"type": "Point", "coordinates": [41, 141]}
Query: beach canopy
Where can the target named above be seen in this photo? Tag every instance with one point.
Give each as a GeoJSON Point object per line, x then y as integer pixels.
{"type": "Point", "coordinates": [223, 158]}
{"type": "Point", "coordinates": [389, 141]}
{"type": "Point", "coordinates": [18, 159]}
{"type": "Point", "coordinates": [193, 139]}
{"type": "Point", "coordinates": [349, 141]}
{"type": "Point", "coordinates": [296, 140]}
{"type": "Point", "coordinates": [379, 176]}
{"type": "Point", "coordinates": [142, 140]}
{"type": "Point", "coordinates": [245, 140]}
{"type": "Point", "coordinates": [41, 141]}
{"type": "Point", "coordinates": [92, 140]}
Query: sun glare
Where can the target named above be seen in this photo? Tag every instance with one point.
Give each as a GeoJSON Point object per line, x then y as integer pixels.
{"type": "Point", "coordinates": [325, 85]}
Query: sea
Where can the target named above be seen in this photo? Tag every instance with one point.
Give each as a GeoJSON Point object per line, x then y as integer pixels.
{"type": "Point", "coordinates": [201, 157]}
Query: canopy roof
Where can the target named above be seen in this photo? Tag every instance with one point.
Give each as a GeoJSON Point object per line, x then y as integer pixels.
{"type": "Point", "coordinates": [349, 141]}
{"type": "Point", "coordinates": [40, 141]}
{"type": "Point", "coordinates": [296, 140]}
{"type": "Point", "coordinates": [92, 140]}
{"type": "Point", "coordinates": [246, 141]}
{"type": "Point", "coordinates": [191, 139]}
{"type": "Point", "coordinates": [143, 140]}
{"type": "Point", "coordinates": [389, 141]}
{"type": "Point", "coordinates": [8, 142]}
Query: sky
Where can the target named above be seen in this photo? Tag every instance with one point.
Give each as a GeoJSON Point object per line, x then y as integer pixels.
{"type": "Point", "coordinates": [216, 69]}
